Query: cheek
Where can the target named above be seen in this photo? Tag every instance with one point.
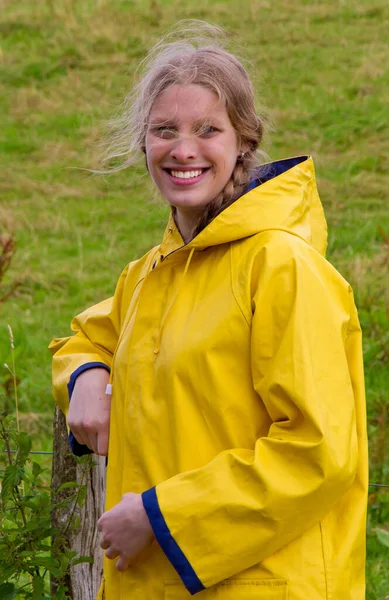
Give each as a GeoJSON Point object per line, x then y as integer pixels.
{"type": "Point", "coordinates": [227, 164]}
{"type": "Point", "coordinates": [153, 151]}
{"type": "Point", "coordinates": [226, 159]}
{"type": "Point", "coordinates": [152, 158]}
{"type": "Point", "coordinates": [153, 172]}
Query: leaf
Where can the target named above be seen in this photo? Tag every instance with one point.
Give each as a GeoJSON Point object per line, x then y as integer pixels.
{"type": "Point", "coordinates": [82, 559]}
{"type": "Point", "coordinates": [40, 523]}
{"type": "Point", "coordinates": [64, 563]}
{"type": "Point", "coordinates": [67, 485]}
{"type": "Point", "coordinates": [44, 548]}
{"type": "Point", "coordinates": [38, 586]}
{"type": "Point", "coordinates": [76, 523]}
{"type": "Point", "coordinates": [9, 423]}
{"type": "Point", "coordinates": [32, 502]}
{"type": "Point", "coordinates": [383, 536]}
{"type": "Point", "coordinates": [24, 443]}
{"type": "Point", "coordinates": [36, 470]}
{"type": "Point", "coordinates": [7, 591]}
{"type": "Point", "coordinates": [41, 548]}
{"type": "Point", "coordinates": [60, 593]}
{"type": "Point", "coordinates": [56, 573]}
{"type": "Point", "coordinates": [44, 561]}
{"type": "Point", "coordinates": [82, 496]}
{"type": "Point", "coordinates": [7, 570]}
{"type": "Point", "coordinates": [12, 477]}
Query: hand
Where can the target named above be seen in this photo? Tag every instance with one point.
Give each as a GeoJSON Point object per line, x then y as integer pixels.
{"type": "Point", "coordinates": [125, 530]}
{"type": "Point", "coordinates": [89, 410]}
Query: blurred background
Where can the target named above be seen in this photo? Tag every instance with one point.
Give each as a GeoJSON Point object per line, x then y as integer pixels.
{"type": "Point", "coordinates": [321, 71]}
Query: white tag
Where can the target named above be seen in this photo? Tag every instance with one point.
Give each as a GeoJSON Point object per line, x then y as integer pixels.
{"type": "Point", "coordinates": [108, 389]}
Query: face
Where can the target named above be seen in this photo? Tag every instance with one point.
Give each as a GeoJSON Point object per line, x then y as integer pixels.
{"type": "Point", "coordinates": [191, 149]}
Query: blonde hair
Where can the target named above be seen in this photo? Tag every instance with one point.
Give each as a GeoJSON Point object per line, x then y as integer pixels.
{"type": "Point", "coordinates": [196, 57]}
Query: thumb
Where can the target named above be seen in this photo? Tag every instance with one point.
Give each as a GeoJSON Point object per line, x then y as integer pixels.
{"type": "Point", "coordinates": [123, 563]}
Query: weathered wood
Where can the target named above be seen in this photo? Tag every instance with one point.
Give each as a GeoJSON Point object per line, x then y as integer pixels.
{"type": "Point", "coordinates": [84, 580]}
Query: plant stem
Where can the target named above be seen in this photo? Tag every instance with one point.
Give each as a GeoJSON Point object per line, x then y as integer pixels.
{"type": "Point", "coordinates": [19, 506]}
{"type": "Point", "coordinates": [70, 520]}
{"type": "Point", "coordinates": [5, 437]}
{"type": "Point", "coordinates": [11, 337]}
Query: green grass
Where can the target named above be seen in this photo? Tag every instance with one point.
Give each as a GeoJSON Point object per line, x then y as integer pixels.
{"type": "Point", "coordinates": [321, 67]}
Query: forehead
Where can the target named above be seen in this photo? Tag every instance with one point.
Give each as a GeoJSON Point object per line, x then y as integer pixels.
{"type": "Point", "coordinates": [187, 102]}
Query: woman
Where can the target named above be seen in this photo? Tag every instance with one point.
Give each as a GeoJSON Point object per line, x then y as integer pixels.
{"type": "Point", "coordinates": [236, 430]}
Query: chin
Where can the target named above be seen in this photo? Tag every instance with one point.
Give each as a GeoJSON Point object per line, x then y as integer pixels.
{"type": "Point", "coordinates": [189, 209]}
{"type": "Point", "coordinates": [188, 202]}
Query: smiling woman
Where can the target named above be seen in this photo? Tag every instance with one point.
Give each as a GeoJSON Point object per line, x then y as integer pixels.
{"type": "Point", "coordinates": [224, 378]}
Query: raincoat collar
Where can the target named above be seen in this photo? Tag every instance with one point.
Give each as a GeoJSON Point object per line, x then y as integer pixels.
{"type": "Point", "coordinates": [281, 195]}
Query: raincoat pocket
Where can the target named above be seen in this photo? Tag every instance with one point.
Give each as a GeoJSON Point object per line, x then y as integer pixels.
{"type": "Point", "coordinates": [234, 589]}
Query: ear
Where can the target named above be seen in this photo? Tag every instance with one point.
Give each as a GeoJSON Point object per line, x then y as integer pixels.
{"type": "Point", "coordinates": [143, 148]}
{"type": "Point", "coordinates": [242, 151]}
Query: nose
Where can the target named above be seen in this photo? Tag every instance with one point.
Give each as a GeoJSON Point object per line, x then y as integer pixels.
{"type": "Point", "coordinates": [185, 148]}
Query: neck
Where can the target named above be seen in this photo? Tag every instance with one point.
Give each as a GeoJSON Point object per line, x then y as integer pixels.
{"type": "Point", "coordinates": [186, 223]}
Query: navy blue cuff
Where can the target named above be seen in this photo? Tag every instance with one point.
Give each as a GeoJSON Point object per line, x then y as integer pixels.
{"type": "Point", "coordinates": [85, 367]}
{"type": "Point", "coordinates": [76, 448]}
{"type": "Point", "coordinates": [169, 544]}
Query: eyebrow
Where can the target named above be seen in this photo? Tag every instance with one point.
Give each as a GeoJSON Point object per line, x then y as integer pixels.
{"type": "Point", "coordinates": [155, 122]}
{"type": "Point", "coordinates": [172, 122]}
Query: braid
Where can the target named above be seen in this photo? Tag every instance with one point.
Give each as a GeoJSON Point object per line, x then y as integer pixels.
{"type": "Point", "coordinates": [233, 189]}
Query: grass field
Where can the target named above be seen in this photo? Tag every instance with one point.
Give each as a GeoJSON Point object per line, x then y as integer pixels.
{"type": "Point", "coordinates": [320, 68]}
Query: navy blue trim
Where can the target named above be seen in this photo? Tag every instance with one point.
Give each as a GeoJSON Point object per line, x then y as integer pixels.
{"type": "Point", "coordinates": [169, 544]}
{"type": "Point", "coordinates": [264, 173]}
{"type": "Point", "coordinates": [77, 448]}
{"type": "Point", "coordinates": [84, 367]}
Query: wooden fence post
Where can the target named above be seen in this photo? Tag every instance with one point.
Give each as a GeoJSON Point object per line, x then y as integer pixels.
{"type": "Point", "coordinates": [84, 579]}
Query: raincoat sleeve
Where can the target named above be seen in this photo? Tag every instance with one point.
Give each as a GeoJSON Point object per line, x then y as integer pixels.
{"type": "Point", "coordinates": [96, 336]}
{"type": "Point", "coordinates": [248, 503]}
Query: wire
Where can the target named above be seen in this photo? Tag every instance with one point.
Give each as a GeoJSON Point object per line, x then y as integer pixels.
{"type": "Point", "coordinates": [379, 485]}
{"type": "Point", "coordinates": [31, 452]}
{"type": "Point", "coordinates": [41, 452]}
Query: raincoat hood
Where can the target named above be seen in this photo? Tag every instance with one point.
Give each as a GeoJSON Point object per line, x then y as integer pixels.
{"type": "Point", "coordinates": [281, 196]}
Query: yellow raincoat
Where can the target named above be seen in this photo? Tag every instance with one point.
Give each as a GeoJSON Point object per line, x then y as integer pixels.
{"type": "Point", "coordinates": [238, 405]}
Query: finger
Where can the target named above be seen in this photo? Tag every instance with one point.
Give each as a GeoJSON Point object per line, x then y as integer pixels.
{"type": "Point", "coordinates": [123, 563]}
{"type": "Point", "coordinates": [80, 434]}
{"type": "Point", "coordinates": [104, 544]}
{"type": "Point", "coordinates": [100, 523]}
{"type": "Point", "coordinates": [112, 553]}
{"type": "Point", "coordinates": [92, 442]}
{"type": "Point", "coordinates": [79, 437]}
{"type": "Point", "coordinates": [102, 444]}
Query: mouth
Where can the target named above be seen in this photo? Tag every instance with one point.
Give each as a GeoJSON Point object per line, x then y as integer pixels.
{"type": "Point", "coordinates": [186, 177]}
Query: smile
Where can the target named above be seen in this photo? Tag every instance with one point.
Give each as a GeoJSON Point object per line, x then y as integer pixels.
{"type": "Point", "coordinates": [186, 174]}
{"type": "Point", "coordinates": [186, 177]}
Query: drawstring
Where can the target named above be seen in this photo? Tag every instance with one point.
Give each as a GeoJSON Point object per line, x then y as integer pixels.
{"type": "Point", "coordinates": [158, 342]}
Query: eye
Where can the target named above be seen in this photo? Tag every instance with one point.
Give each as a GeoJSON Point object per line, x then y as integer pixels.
{"type": "Point", "coordinates": [208, 130]}
{"type": "Point", "coordinates": [164, 132]}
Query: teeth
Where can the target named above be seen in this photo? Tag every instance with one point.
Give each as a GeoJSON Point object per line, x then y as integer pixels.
{"type": "Point", "coordinates": [186, 174]}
